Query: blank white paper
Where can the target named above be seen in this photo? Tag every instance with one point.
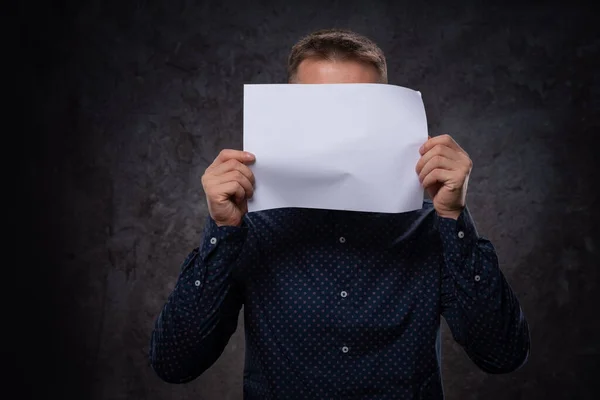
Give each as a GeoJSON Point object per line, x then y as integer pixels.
{"type": "Point", "coordinates": [335, 146]}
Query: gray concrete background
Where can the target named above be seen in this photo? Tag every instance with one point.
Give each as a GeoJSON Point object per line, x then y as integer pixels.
{"type": "Point", "coordinates": [128, 102]}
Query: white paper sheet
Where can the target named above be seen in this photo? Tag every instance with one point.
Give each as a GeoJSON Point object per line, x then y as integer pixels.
{"type": "Point", "coordinates": [335, 146]}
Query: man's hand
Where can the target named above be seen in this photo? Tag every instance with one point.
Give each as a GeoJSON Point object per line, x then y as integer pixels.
{"type": "Point", "coordinates": [444, 169]}
{"type": "Point", "coordinates": [228, 184]}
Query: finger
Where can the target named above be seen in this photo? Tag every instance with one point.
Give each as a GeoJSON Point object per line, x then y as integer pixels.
{"type": "Point", "coordinates": [233, 188]}
{"type": "Point", "coordinates": [439, 150]}
{"type": "Point", "coordinates": [435, 176]}
{"type": "Point", "coordinates": [428, 138]}
{"type": "Point", "coordinates": [228, 154]}
{"type": "Point", "coordinates": [440, 162]}
{"type": "Point", "coordinates": [237, 176]}
{"type": "Point", "coordinates": [446, 140]}
{"type": "Point", "coordinates": [233, 165]}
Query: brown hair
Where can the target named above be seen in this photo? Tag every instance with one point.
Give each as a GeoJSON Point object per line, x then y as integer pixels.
{"type": "Point", "coordinates": [337, 44]}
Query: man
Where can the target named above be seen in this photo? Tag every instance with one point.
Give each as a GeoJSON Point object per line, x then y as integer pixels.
{"type": "Point", "coordinates": [337, 304]}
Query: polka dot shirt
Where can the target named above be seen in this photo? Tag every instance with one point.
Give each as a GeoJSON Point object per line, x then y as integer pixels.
{"type": "Point", "coordinates": [340, 304]}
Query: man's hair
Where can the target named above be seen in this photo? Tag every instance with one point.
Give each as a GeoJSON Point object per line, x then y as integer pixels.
{"type": "Point", "coordinates": [337, 45]}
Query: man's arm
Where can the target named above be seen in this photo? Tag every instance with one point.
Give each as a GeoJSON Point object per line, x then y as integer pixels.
{"type": "Point", "coordinates": [202, 311]}
{"type": "Point", "coordinates": [478, 304]}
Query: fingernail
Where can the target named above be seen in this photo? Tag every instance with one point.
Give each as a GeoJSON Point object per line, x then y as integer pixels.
{"type": "Point", "coordinates": [249, 155]}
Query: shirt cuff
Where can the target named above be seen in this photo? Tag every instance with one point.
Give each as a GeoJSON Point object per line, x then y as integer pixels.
{"type": "Point", "coordinates": [459, 240]}
{"type": "Point", "coordinates": [215, 237]}
{"type": "Point", "coordinates": [458, 236]}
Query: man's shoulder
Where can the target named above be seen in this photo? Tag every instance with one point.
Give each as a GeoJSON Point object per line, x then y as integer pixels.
{"type": "Point", "coordinates": [282, 217]}
{"type": "Point", "coordinates": [288, 213]}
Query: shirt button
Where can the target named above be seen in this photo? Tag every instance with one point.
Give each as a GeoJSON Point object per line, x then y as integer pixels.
{"type": "Point", "coordinates": [197, 283]}
{"type": "Point", "coordinates": [342, 240]}
{"type": "Point", "coordinates": [345, 349]}
{"type": "Point", "coordinates": [213, 240]}
{"type": "Point", "coordinates": [461, 234]}
{"type": "Point", "coordinates": [477, 278]}
{"type": "Point", "coordinates": [344, 293]}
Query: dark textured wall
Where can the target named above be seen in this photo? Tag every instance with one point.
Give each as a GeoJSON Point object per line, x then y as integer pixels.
{"type": "Point", "coordinates": [128, 102]}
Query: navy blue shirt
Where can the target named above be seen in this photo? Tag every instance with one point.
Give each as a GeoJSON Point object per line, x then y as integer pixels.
{"type": "Point", "coordinates": [340, 304]}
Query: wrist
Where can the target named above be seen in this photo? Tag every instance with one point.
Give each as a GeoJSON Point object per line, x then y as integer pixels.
{"type": "Point", "coordinates": [450, 214]}
{"type": "Point", "coordinates": [230, 223]}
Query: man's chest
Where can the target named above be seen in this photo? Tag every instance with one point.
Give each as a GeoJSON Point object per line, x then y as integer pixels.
{"type": "Point", "coordinates": [347, 280]}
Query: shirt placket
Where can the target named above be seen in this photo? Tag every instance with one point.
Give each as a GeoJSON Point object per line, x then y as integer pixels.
{"type": "Point", "coordinates": [345, 294]}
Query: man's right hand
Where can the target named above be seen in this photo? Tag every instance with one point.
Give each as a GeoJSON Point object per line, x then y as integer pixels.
{"type": "Point", "coordinates": [228, 184]}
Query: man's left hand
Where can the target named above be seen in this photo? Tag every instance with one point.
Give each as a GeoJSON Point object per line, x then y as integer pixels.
{"type": "Point", "coordinates": [444, 169]}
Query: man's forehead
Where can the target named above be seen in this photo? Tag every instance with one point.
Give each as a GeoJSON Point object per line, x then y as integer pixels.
{"type": "Point", "coordinates": [320, 70]}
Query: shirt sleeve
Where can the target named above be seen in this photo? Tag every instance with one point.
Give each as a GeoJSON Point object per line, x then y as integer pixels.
{"type": "Point", "coordinates": [201, 313]}
{"type": "Point", "coordinates": [478, 304]}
